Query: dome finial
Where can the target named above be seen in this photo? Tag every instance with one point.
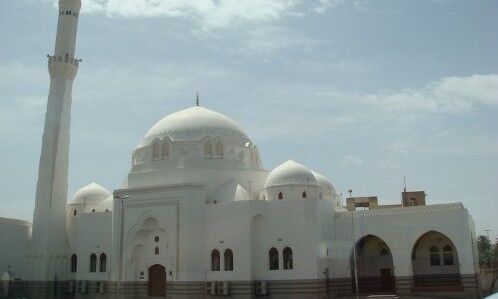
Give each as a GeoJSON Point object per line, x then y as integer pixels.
{"type": "Point", "coordinates": [197, 99]}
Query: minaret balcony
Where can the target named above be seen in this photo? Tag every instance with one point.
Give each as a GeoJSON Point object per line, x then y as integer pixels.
{"type": "Point", "coordinates": [65, 66]}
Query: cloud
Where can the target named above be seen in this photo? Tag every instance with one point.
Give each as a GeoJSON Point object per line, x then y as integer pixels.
{"type": "Point", "coordinates": [210, 13]}
{"type": "Point", "coordinates": [449, 94]}
{"type": "Point", "coordinates": [324, 5]}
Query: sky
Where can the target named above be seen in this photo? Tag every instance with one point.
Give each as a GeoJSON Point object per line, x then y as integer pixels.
{"type": "Point", "coordinates": [364, 92]}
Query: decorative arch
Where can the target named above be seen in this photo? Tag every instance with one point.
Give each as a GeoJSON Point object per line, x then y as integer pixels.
{"type": "Point", "coordinates": [137, 260]}
{"type": "Point", "coordinates": [93, 262]}
{"type": "Point", "coordinates": [215, 260]}
{"type": "Point", "coordinates": [138, 156]}
{"type": "Point", "coordinates": [156, 149]}
{"type": "Point", "coordinates": [280, 195]}
{"type": "Point", "coordinates": [304, 195]}
{"type": "Point", "coordinates": [150, 223]}
{"type": "Point", "coordinates": [146, 224]}
{"type": "Point", "coordinates": [434, 256]}
{"type": "Point", "coordinates": [374, 265]}
{"type": "Point", "coordinates": [228, 259]}
{"type": "Point", "coordinates": [74, 263]}
{"type": "Point", "coordinates": [165, 150]}
{"type": "Point", "coordinates": [273, 259]}
{"type": "Point", "coordinates": [103, 262]}
{"type": "Point", "coordinates": [208, 148]}
{"type": "Point", "coordinates": [435, 261]}
{"type": "Point", "coordinates": [218, 149]}
{"type": "Point", "coordinates": [448, 255]}
{"type": "Point", "coordinates": [288, 260]}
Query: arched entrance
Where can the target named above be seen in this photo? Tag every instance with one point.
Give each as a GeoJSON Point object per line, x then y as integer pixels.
{"type": "Point", "coordinates": [157, 281]}
{"type": "Point", "coordinates": [374, 264]}
{"type": "Point", "coordinates": [435, 262]}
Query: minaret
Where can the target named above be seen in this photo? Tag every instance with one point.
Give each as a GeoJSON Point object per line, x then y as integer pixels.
{"type": "Point", "coordinates": [47, 259]}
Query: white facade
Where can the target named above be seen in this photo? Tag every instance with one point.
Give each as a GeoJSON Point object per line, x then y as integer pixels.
{"type": "Point", "coordinates": [193, 189]}
{"type": "Point", "coordinates": [198, 206]}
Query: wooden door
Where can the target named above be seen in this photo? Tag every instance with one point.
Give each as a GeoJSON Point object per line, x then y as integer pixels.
{"type": "Point", "coordinates": [386, 280]}
{"type": "Point", "coordinates": [157, 281]}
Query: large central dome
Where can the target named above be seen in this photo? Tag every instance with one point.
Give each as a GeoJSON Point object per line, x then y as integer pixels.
{"type": "Point", "coordinates": [191, 119]}
{"type": "Point", "coordinates": [195, 137]}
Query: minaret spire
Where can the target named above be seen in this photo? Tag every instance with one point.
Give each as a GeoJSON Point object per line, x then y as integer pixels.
{"type": "Point", "coordinates": [197, 99]}
{"type": "Point", "coordinates": [48, 248]}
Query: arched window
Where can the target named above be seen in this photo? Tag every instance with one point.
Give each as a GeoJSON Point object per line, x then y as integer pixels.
{"type": "Point", "coordinates": [74, 213]}
{"type": "Point", "coordinates": [156, 239]}
{"type": "Point", "coordinates": [93, 262]}
{"type": "Point", "coordinates": [155, 150]}
{"type": "Point", "coordinates": [304, 194]}
{"type": "Point", "coordinates": [448, 255]}
{"type": "Point", "coordinates": [74, 263]}
{"type": "Point", "coordinates": [103, 263]}
{"type": "Point", "coordinates": [156, 250]}
{"type": "Point", "coordinates": [165, 152]}
{"type": "Point", "coordinates": [228, 260]}
{"type": "Point", "coordinates": [215, 260]}
{"type": "Point", "coordinates": [218, 151]}
{"type": "Point", "coordinates": [208, 149]}
{"type": "Point", "coordinates": [384, 251]}
{"type": "Point", "coordinates": [280, 195]}
{"type": "Point", "coordinates": [287, 258]}
{"type": "Point", "coordinates": [273, 255]}
{"type": "Point", "coordinates": [434, 256]}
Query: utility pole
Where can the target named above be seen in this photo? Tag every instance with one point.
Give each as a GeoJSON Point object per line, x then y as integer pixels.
{"type": "Point", "coordinates": [354, 249]}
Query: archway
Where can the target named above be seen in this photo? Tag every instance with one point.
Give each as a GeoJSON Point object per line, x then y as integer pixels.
{"type": "Point", "coordinates": [435, 261]}
{"type": "Point", "coordinates": [157, 281]}
{"type": "Point", "coordinates": [374, 264]}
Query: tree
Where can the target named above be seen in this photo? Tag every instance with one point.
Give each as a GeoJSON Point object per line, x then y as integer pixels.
{"type": "Point", "coordinates": [488, 258]}
{"type": "Point", "coordinates": [484, 248]}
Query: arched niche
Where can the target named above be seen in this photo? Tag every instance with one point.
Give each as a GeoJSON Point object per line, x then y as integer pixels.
{"type": "Point", "coordinates": [374, 264]}
{"type": "Point", "coordinates": [147, 242]}
{"type": "Point", "coordinates": [435, 261]}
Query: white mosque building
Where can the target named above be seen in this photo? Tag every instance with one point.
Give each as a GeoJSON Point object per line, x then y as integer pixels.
{"type": "Point", "coordinates": [198, 216]}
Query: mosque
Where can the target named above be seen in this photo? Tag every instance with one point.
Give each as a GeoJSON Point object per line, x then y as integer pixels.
{"type": "Point", "coordinates": [198, 216]}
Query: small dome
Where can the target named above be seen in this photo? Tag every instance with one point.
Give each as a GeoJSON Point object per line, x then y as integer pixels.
{"type": "Point", "coordinates": [290, 173]}
{"type": "Point", "coordinates": [191, 119]}
{"type": "Point", "coordinates": [324, 183]}
{"type": "Point", "coordinates": [90, 194]}
{"type": "Point", "coordinates": [106, 205]}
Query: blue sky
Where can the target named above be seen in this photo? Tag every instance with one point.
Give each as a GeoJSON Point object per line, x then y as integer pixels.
{"type": "Point", "coordinates": [364, 92]}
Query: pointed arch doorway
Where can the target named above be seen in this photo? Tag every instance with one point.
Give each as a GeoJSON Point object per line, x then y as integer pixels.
{"type": "Point", "coordinates": [157, 281]}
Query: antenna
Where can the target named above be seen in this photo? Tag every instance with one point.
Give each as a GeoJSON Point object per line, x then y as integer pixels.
{"type": "Point", "coordinates": [404, 183]}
